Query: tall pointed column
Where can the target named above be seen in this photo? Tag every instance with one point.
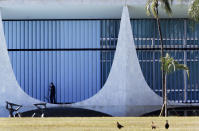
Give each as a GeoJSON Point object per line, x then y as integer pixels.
{"type": "Point", "coordinates": [125, 87]}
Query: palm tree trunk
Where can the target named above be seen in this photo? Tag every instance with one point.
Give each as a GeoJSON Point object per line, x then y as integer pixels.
{"type": "Point", "coordinates": [162, 64]}
{"type": "Point", "coordinates": [163, 75]}
{"type": "Point", "coordinates": [165, 96]}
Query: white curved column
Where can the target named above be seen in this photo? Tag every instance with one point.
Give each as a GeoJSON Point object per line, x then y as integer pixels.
{"type": "Point", "coordinates": [125, 89]}
{"type": "Point", "coordinates": [9, 88]}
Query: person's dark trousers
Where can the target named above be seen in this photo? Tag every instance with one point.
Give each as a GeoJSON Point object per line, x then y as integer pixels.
{"type": "Point", "coordinates": [52, 99]}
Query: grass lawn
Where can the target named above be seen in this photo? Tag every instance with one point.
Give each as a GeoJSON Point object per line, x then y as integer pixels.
{"type": "Point", "coordinates": [98, 124]}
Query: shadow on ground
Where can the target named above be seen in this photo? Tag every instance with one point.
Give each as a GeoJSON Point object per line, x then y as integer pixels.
{"type": "Point", "coordinates": [178, 111]}
{"type": "Point", "coordinates": [64, 112]}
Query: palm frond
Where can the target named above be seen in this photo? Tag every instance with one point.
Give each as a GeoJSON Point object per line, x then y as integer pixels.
{"type": "Point", "coordinates": [147, 7]}
{"type": "Point", "coordinates": [194, 10]}
{"type": "Point", "coordinates": [182, 67]}
{"type": "Point", "coordinates": [166, 6]}
{"type": "Point", "coordinates": [170, 65]}
{"type": "Point", "coordinates": [152, 7]}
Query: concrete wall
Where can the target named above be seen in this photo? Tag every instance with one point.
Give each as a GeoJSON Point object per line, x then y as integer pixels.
{"type": "Point", "coordinates": [80, 9]}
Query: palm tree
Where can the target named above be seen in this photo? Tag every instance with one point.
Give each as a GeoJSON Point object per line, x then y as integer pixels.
{"type": "Point", "coordinates": [193, 10]}
{"type": "Point", "coordinates": [152, 9]}
{"type": "Point", "coordinates": [169, 66]}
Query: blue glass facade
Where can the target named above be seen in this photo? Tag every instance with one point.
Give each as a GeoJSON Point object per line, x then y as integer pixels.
{"type": "Point", "coordinates": [180, 37]}
{"type": "Point", "coordinates": [77, 55]}
{"type": "Point", "coordinates": [75, 73]}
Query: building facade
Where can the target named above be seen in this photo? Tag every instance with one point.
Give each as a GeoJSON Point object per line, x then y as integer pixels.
{"type": "Point", "coordinates": [76, 54]}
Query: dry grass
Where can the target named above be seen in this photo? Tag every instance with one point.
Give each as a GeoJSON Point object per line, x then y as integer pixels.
{"type": "Point", "coordinates": [98, 124]}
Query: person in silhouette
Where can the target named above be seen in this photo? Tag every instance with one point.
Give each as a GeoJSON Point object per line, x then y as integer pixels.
{"type": "Point", "coordinates": [167, 125]}
{"type": "Point", "coordinates": [153, 126]}
{"type": "Point", "coordinates": [52, 93]}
